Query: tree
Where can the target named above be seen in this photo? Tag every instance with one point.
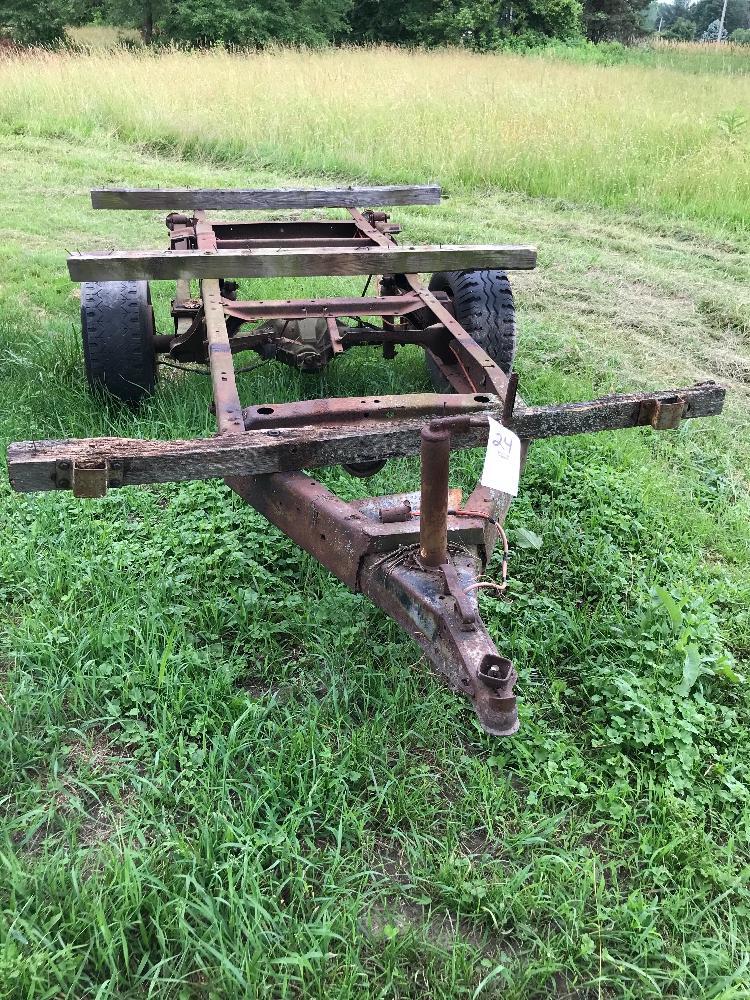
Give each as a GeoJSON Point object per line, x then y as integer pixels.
{"type": "Point", "coordinates": [477, 24]}
{"type": "Point", "coordinates": [706, 11]}
{"type": "Point", "coordinates": [488, 24]}
{"type": "Point", "coordinates": [145, 15]}
{"type": "Point", "coordinates": [36, 22]}
{"type": "Point", "coordinates": [255, 22]}
{"type": "Point", "coordinates": [667, 13]}
{"type": "Point", "coordinates": [740, 36]}
{"type": "Point", "coordinates": [681, 30]}
{"type": "Point", "coordinates": [396, 22]}
{"type": "Point", "coordinates": [613, 20]}
{"type": "Point", "coordinates": [712, 32]}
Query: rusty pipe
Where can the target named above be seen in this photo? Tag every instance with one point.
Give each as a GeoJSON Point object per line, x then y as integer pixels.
{"type": "Point", "coordinates": [433, 508]}
{"type": "Point", "coordinates": [435, 449]}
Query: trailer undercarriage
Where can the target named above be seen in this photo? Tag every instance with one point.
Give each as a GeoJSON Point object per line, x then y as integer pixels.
{"type": "Point", "coordinates": [421, 555]}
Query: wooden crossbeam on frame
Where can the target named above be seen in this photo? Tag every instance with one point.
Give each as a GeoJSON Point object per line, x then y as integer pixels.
{"type": "Point", "coordinates": [46, 465]}
{"type": "Point", "coordinates": [170, 199]}
{"type": "Point", "coordinates": [294, 263]}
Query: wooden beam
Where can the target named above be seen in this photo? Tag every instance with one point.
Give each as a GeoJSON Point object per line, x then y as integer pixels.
{"type": "Point", "coordinates": [36, 465]}
{"type": "Point", "coordinates": [291, 263]}
{"type": "Point", "coordinates": [33, 465]}
{"type": "Point", "coordinates": [264, 198]}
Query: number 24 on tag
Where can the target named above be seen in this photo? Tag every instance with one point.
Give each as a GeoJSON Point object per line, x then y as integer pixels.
{"type": "Point", "coordinates": [502, 462]}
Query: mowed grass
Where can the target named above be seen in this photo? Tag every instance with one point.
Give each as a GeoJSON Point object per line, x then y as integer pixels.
{"type": "Point", "coordinates": [652, 139]}
{"type": "Point", "coordinates": [224, 775]}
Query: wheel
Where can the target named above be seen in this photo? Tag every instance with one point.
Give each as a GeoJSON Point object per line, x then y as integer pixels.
{"type": "Point", "coordinates": [483, 305]}
{"type": "Point", "coordinates": [117, 323]}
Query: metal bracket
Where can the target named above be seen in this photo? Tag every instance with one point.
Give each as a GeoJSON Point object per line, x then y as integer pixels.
{"type": "Point", "coordinates": [464, 608]}
{"type": "Point", "coordinates": [662, 414]}
{"type": "Point", "coordinates": [89, 479]}
{"type": "Point", "coordinates": [334, 335]}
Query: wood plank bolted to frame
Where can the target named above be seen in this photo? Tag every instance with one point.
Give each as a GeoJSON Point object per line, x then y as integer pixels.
{"type": "Point", "coordinates": [33, 465]}
{"type": "Point", "coordinates": [264, 198]}
{"type": "Point", "coordinates": [299, 262]}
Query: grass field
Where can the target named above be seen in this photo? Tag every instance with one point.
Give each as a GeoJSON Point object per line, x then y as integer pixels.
{"type": "Point", "coordinates": [684, 57]}
{"type": "Point", "coordinates": [653, 139]}
{"type": "Point", "coordinates": [223, 775]}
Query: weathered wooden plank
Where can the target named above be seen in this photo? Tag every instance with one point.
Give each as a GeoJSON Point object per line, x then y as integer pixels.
{"type": "Point", "coordinates": [611, 413]}
{"type": "Point", "coordinates": [264, 198]}
{"type": "Point", "coordinates": [32, 465]}
{"type": "Point", "coordinates": [295, 262]}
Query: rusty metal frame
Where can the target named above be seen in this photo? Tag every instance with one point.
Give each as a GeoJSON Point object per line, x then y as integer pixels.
{"type": "Point", "coordinates": [419, 556]}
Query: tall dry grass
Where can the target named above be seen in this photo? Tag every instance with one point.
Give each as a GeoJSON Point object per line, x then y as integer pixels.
{"type": "Point", "coordinates": [642, 138]}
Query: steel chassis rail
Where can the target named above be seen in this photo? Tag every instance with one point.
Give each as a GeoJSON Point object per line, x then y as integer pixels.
{"type": "Point", "coordinates": [419, 556]}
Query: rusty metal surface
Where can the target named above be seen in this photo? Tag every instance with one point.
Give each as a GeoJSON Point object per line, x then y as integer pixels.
{"type": "Point", "coordinates": [226, 397]}
{"type": "Point", "coordinates": [433, 522]}
{"type": "Point", "coordinates": [396, 512]}
{"type": "Point", "coordinates": [302, 241]}
{"type": "Point", "coordinates": [322, 232]}
{"type": "Point", "coordinates": [348, 409]}
{"type": "Point", "coordinates": [381, 560]}
{"type": "Point", "coordinates": [334, 335]}
{"type": "Point", "coordinates": [385, 305]}
{"type": "Point", "coordinates": [416, 598]}
{"type": "Point", "coordinates": [90, 478]}
{"type": "Point", "coordinates": [477, 370]}
{"type": "Point", "coordinates": [663, 414]}
{"type": "Point", "coordinates": [313, 517]}
{"type": "Point", "coordinates": [287, 229]}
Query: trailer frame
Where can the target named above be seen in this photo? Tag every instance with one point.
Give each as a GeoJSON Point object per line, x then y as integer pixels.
{"type": "Point", "coordinates": [419, 556]}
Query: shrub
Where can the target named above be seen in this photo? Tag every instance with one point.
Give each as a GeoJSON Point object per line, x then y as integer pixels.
{"type": "Point", "coordinates": [711, 34]}
{"type": "Point", "coordinates": [682, 30]}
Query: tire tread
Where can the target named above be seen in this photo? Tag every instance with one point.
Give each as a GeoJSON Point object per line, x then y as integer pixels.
{"type": "Point", "coordinates": [483, 305]}
{"type": "Point", "coordinates": [117, 330]}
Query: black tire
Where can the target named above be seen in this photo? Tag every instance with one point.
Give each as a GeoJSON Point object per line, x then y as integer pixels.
{"type": "Point", "coordinates": [117, 323]}
{"type": "Point", "coordinates": [483, 305]}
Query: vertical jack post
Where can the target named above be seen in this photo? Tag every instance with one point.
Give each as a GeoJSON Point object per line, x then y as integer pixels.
{"type": "Point", "coordinates": [433, 516]}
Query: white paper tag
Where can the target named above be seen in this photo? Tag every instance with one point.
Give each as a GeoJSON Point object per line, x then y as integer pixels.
{"type": "Point", "coordinates": [502, 462]}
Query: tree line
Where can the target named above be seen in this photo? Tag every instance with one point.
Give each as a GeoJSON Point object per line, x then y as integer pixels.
{"type": "Point", "coordinates": [477, 24]}
{"type": "Point", "coordinates": [684, 20]}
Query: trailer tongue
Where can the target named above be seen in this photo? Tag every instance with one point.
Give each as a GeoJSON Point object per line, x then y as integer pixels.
{"type": "Point", "coordinates": [419, 556]}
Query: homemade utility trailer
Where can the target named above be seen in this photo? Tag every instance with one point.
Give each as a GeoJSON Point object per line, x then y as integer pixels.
{"type": "Point", "coordinates": [420, 555]}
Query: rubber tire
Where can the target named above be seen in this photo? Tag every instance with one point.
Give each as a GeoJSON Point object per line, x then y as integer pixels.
{"type": "Point", "coordinates": [117, 324]}
{"type": "Point", "coordinates": [483, 305]}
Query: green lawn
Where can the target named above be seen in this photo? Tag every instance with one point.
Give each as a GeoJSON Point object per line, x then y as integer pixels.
{"type": "Point", "coordinates": [223, 775]}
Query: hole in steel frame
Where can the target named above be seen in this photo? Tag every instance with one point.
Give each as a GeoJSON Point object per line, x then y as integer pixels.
{"type": "Point", "coordinates": [265, 409]}
{"type": "Point", "coordinates": [482, 399]}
